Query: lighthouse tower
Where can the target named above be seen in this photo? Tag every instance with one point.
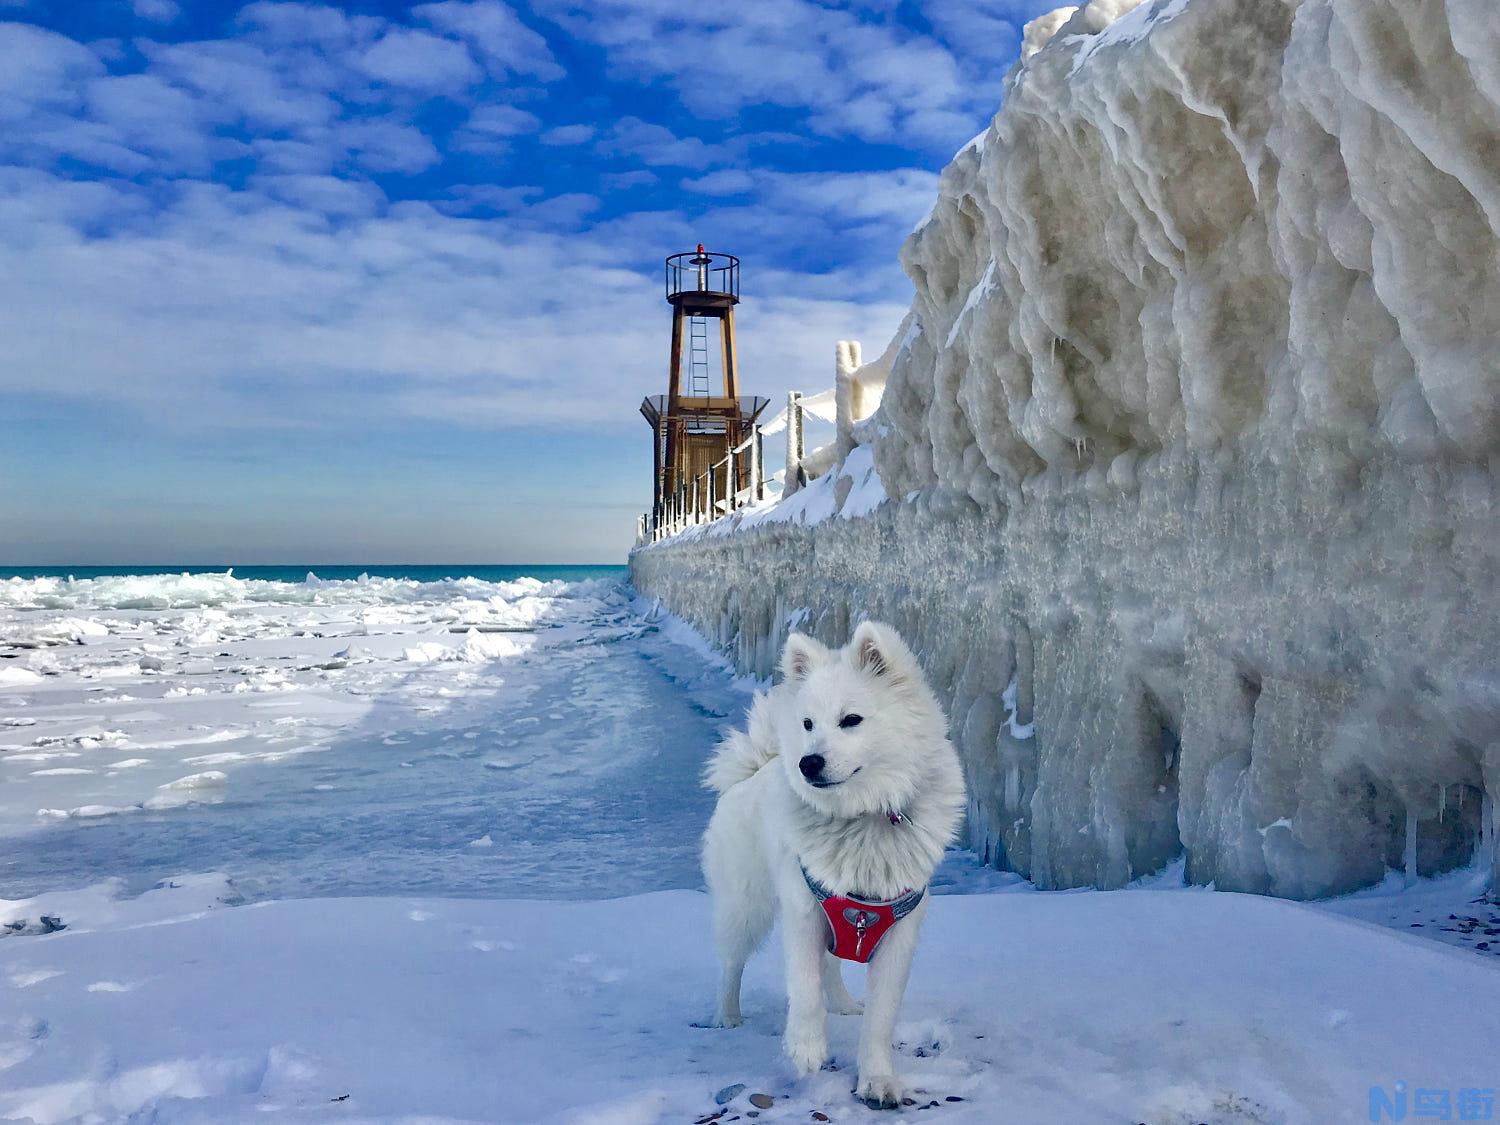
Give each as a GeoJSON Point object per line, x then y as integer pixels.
{"type": "Point", "coordinates": [702, 417]}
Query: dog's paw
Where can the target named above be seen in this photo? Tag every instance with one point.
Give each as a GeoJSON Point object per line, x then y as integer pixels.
{"type": "Point", "coordinates": [880, 1091]}
{"type": "Point", "coordinates": [807, 1050]}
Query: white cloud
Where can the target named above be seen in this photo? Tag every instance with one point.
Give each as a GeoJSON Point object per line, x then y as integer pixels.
{"type": "Point", "coordinates": [503, 121]}
{"type": "Point", "coordinates": [989, 30]}
{"type": "Point", "coordinates": [853, 75]}
{"type": "Point", "coordinates": [296, 86]}
{"type": "Point", "coordinates": [568, 135]}
{"type": "Point", "coordinates": [500, 39]}
{"type": "Point", "coordinates": [387, 146]}
{"type": "Point", "coordinates": [470, 197]}
{"type": "Point", "coordinates": [306, 297]}
{"type": "Point", "coordinates": [657, 145]}
{"type": "Point", "coordinates": [637, 177]}
{"type": "Point", "coordinates": [158, 11]}
{"type": "Point", "coordinates": [41, 69]}
{"type": "Point", "coordinates": [249, 82]}
{"type": "Point", "coordinates": [323, 195]}
{"type": "Point", "coordinates": [726, 181]}
{"type": "Point", "coordinates": [901, 196]}
{"type": "Point", "coordinates": [489, 126]}
{"type": "Point", "coordinates": [151, 116]}
{"type": "Point", "coordinates": [420, 60]}
{"type": "Point", "coordinates": [560, 211]}
{"type": "Point", "coordinates": [300, 24]}
{"type": "Point", "coordinates": [168, 298]}
{"type": "Point", "coordinates": [294, 156]}
{"type": "Point", "coordinates": [339, 307]}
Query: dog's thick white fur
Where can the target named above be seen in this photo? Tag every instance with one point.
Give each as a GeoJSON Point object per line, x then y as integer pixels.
{"type": "Point", "coordinates": [845, 739]}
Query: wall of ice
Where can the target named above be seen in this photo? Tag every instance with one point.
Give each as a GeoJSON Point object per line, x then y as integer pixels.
{"type": "Point", "coordinates": [1194, 439]}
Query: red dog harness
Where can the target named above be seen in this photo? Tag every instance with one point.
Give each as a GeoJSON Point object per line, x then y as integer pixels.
{"type": "Point", "coordinates": [856, 925]}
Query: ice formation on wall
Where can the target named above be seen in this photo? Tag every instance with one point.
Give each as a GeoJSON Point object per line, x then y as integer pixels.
{"type": "Point", "coordinates": [1197, 418]}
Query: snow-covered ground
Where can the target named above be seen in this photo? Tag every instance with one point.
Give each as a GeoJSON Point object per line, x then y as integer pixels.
{"type": "Point", "coordinates": [448, 873]}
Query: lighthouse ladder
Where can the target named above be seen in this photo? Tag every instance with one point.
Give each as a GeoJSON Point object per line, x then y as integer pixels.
{"type": "Point", "coordinates": [698, 356]}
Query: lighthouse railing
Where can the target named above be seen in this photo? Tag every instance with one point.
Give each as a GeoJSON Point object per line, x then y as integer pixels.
{"type": "Point", "coordinates": [716, 491]}
{"type": "Point", "coordinates": [702, 271]}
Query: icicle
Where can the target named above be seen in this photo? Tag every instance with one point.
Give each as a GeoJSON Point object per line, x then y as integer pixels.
{"type": "Point", "coordinates": [1409, 858]}
{"type": "Point", "coordinates": [1487, 835]}
{"type": "Point", "coordinates": [1442, 802]}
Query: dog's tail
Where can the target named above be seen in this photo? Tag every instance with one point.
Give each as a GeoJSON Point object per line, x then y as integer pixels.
{"type": "Point", "coordinates": [743, 752]}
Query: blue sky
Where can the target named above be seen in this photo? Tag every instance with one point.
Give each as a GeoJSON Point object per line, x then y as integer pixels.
{"type": "Point", "coordinates": [288, 282]}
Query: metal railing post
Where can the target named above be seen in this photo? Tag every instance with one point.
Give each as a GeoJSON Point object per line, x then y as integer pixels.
{"type": "Point", "coordinates": [755, 458]}
{"type": "Point", "coordinates": [793, 441]}
{"type": "Point", "coordinates": [801, 446]}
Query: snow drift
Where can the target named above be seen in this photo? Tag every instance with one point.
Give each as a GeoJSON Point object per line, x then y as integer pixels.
{"type": "Point", "coordinates": [1195, 421]}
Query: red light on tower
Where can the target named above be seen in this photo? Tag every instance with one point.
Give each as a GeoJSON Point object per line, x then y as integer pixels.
{"type": "Point", "coordinates": [702, 261]}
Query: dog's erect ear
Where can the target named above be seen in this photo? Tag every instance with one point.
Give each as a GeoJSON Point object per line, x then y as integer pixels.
{"type": "Point", "coordinates": [800, 656]}
{"type": "Point", "coordinates": [879, 650]}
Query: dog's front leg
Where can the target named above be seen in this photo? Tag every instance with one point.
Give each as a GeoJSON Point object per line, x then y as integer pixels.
{"type": "Point", "coordinates": [885, 985]}
{"type": "Point", "coordinates": [806, 1039]}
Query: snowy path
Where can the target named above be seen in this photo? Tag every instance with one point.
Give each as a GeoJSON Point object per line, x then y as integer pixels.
{"type": "Point", "coordinates": [1168, 1007]}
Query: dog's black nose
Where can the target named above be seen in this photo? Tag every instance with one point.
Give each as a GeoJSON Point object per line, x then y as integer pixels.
{"type": "Point", "coordinates": [811, 766]}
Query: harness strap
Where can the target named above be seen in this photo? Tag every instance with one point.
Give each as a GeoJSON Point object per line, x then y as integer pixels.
{"type": "Point", "coordinates": [857, 925]}
{"type": "Point", "coordinates": [900, 906]}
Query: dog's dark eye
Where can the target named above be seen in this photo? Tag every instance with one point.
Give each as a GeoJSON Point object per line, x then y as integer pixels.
{"type": "Point", "coordinates": [851, 721]}
{"type": "Point", "coordinates": [807, 724]}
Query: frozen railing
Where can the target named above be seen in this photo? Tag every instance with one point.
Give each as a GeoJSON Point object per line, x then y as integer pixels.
{"type": "Point", "coordinates": [713, 493]}
{"type": "Point", "coordinates": [854, 396]}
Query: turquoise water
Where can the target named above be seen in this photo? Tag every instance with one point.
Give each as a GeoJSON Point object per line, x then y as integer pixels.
{"type": "Point", "coordinates": [544, 572]}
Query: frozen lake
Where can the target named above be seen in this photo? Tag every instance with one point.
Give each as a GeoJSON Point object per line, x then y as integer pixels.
{"type": "Point", "coordinates": [355, 737]}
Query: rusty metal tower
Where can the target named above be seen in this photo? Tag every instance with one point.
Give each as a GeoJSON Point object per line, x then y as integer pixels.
{"type": "Point", "coordinates": [692, 427]}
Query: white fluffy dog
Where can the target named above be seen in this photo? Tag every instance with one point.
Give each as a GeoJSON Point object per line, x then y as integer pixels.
{"type": "Point", "coordinates": [840, 839]}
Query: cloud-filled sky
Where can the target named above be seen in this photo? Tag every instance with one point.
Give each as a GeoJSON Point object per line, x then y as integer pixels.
{"type": "Point", "coordinates": [295, 282]}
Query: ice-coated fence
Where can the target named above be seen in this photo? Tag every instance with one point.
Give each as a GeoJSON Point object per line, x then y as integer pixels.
{"type": "Point", "coordinates": [715, 491]}
{"type": "Point", "coordinates": [852, 399]}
